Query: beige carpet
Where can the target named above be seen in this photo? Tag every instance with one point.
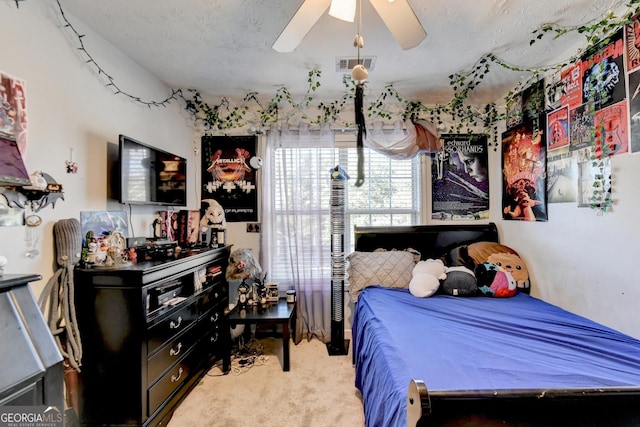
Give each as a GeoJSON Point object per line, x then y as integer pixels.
{"type": "Point", "coordinates": [318, 391]}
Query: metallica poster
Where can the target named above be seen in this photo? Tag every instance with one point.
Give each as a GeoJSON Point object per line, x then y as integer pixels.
{"type": "Point", "coordinates": [228, 177]}
{"type": "Point", "coordinates": [460, 178]}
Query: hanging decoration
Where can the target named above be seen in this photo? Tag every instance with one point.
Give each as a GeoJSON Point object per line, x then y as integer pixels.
{"type": "Point", "coordinates": [359, 74]}
{"type": "Point", "coordinates": [72, 167]}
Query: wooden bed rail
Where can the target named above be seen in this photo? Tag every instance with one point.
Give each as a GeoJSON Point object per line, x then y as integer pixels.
{"type": "Point", "coordinates": [418, 402]}
{"type": "Point", "coordinates": [608, 406]}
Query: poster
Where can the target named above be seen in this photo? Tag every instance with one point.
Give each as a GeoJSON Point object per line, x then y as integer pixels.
{"type": "Point", "coordinates": [460, 179]}
{"type": "Point", "coordinates": [571, 86]}
{"type": "Point", "coordinates": [634, 111]}
{"type": "Point", "coordinates": [228, 177]}
{"type": "Point", "coordinates": [581, 126]}
{"type": "Point", "coordinates": [562, 177]}
{"type": "Point", "coordinates": [611, 129]}
{"type": "Point", "coordinates": [524, 157]}
{"type": "Point", "coordinates": [13, 111]}
{"type": "Point", "coordinates": [633, 43]}
{"type": "Point", "coordinates": [603, 81]}
{"type": "Point", "coordinates": [558, 128]}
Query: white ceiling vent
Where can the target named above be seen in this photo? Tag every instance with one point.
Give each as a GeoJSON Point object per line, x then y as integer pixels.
{"type": "Point", "coordinates": [346, 63]}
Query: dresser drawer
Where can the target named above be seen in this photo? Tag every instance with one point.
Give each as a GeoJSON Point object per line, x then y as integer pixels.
{"type": "Point", "coordinates": [171, 381]}
{"type": "Point", "coordinates": [218, 293]}
{"type": "Point", "coordinates": [171, 352]}
{"type": "Point", "coordinates": [215, 330]}
{"type": "Point", "coordinates": [170, 326]}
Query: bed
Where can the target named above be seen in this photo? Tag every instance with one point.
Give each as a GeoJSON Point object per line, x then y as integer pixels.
{"type": "Point", "coordinates": [447, 360]}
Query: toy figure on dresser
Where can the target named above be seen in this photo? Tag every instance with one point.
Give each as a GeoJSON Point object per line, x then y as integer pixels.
{"type": "Point", "coordinates": [213, 224]}
{"type": "Point", "coordinates": [245, 267]}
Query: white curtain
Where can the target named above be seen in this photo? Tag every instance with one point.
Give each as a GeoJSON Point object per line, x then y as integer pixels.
{"type": "Point", "coordinates": [295, 240]}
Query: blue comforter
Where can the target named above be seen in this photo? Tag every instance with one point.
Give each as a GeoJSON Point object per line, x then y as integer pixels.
{"type": "Point", "coordinates": [479, 343]}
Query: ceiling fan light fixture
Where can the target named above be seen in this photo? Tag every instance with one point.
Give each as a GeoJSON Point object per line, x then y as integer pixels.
{"type": "Point", "coordinates": [343, 9]}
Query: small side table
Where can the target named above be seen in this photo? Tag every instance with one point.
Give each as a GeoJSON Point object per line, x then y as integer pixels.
{"type": "Point", "coordinates": [281, 312]}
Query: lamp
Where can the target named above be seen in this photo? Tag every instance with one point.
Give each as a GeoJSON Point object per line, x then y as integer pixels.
{"type": "Point", "coordinates": [343, 9]}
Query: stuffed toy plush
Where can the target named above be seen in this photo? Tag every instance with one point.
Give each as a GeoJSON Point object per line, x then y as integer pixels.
{"type": "Point", "coordinates": [426, 277]}
{"type": "Point", "coordinates": [505, 258]}
{"type": "Point", "coordinates": [485, 273]}
{"type": "Point", "coordinates": [495, 282]}
{"type": "Point", "coordinates": [460, 281]}
{"type": "Point", "coordinates": [513, 264]}
{"type": "Point", "coordinates": [503, 285]}
{"type": "Point", "coordinates": [243, 265]}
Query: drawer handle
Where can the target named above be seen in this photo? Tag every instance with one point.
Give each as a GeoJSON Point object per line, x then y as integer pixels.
{"type": "Point", "coordinates": [216, 295]}
{"type": "Point", "coordinates": [174, 325]}
{"type": "Point", "coordinates": [214, 318]}
{"type": "Point", "coordinates": [176, 351]}
{"type": "Point", "coordinates": [176, 379]}
{"type": "Point", "coordinates": [214, 338]}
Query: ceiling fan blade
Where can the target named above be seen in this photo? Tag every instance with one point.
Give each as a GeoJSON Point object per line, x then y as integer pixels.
{"type": "Point", "coordinates": [401, 21]}
{"type": "Point", "coordinates": [302, 21]}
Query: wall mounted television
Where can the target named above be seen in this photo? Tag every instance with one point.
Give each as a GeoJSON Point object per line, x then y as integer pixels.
{"type": "Point", "coordinates": [150, 176]}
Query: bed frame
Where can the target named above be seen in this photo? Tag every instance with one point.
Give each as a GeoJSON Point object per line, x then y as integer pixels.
{"type": "Point", "coordinates": [570, 407]}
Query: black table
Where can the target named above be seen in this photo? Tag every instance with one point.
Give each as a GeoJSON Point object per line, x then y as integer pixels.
{"type": "Point", "coordinates": [281, 312]}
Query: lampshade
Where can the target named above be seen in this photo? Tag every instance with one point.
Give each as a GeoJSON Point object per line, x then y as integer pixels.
{"type": "Point", "coordinates": [343, 9]}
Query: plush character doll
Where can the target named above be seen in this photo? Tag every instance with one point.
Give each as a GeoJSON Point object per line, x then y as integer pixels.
{"type": "Point", "coordinates": [505, 258]}
{"type": "Point", "coordinates": [504, 285]}
{"type": "Point", "coordinates": [243, 265]}
{"type": "Point", "coordinates": [485, 273]}
{"type": "Point", "coordinates": [513, 264]}
{"type": "Point", "coordinates": [426, 277]}
{"type": "Point", "coordinates": [495, 282]}
{"type": "Point", "coordinates": [460, 281]}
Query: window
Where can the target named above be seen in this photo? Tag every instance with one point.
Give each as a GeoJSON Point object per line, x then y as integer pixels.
{"type": "Point", "coordinates": [300, 208]}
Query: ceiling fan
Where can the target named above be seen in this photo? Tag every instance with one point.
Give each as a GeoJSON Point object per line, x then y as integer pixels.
{"type": "Point", "coordinates": [397, 15]}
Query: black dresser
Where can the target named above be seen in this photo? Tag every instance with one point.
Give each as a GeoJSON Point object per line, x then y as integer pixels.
{"type": "Point", "coordinates": [150, 331]}
{"type": "Point", "coordinates": [31, 366]}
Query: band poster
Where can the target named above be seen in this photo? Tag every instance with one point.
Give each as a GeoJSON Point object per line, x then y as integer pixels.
{"type": "Point", "coordinates": [227, 175]}
{"type": "Point", "coordinates": [524, 179]}
{"type": "Point", "coordinates": [13, 111]}
{"type": "Point", "coordinates": [460, 178]}
{"type": "Point", "coordinates": [633, 66]}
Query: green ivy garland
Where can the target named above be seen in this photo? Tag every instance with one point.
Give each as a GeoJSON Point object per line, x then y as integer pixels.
{"type": "Point", "coordinates": [461, 116]}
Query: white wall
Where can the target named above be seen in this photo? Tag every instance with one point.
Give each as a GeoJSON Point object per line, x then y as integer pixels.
{"type": "Point", "coordinates": [578, 260]}
{"type": "Point", "coordinates": [68, 106]}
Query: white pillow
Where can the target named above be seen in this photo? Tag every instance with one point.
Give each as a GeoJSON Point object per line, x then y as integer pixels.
{"type": "Point", "coordinates": [392, 269]}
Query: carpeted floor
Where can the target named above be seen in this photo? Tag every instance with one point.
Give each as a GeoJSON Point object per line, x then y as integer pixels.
{"type": "Point", "coordinates": [318, 390]}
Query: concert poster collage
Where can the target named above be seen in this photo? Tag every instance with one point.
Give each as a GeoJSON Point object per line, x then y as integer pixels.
{"type": "Point", "coordinates": [553, 128]}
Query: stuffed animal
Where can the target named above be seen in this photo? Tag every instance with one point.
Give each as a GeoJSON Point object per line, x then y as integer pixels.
{"type": "Point", "coordinates": [513, 264]}
{"type": "Point", "coordinates": [426, 277]}
{"type": "Point", "coordinates": [243, 265]}
{"type": "Point", "coordinates": [460, 282]}
{"type": "Point", "coordinates": [505, 258]}
{"type": "Point", "coordinates": [494, 281]}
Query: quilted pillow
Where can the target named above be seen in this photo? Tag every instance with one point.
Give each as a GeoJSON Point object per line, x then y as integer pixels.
{"type": "Point", "coordinates": [393, 269]}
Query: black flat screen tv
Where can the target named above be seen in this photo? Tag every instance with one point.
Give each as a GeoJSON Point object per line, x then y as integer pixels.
{"type": "Point", "coordinates": [150, 176]}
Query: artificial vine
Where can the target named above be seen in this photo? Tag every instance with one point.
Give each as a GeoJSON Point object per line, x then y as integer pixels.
{"type": "Point", "coordinates": [460, 116]}
{"type": "Point", "coordinates": [601, 152]}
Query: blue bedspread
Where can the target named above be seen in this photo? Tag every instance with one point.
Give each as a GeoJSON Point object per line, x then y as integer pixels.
{"type": "Point", "coordinates": [479, 343]}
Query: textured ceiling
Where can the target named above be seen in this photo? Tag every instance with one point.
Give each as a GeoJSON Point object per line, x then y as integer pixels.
{"type": "Point", "coordinates": [223, 47]}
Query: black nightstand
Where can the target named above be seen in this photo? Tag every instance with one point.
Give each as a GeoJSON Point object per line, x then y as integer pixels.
{"type": "Point", "coordinates": [281, 312]}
